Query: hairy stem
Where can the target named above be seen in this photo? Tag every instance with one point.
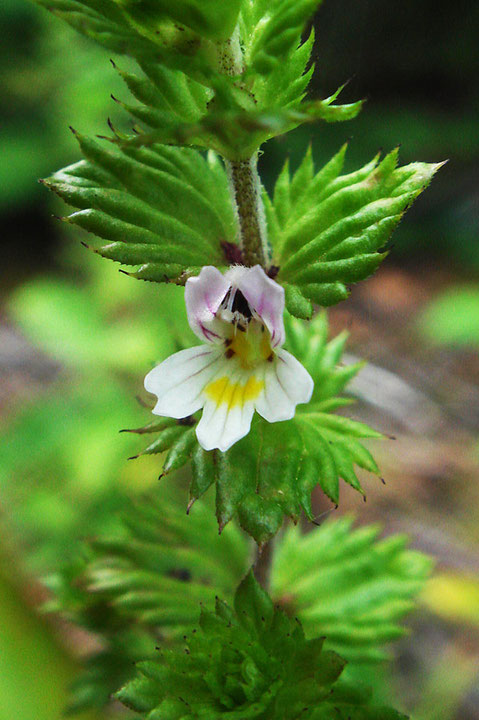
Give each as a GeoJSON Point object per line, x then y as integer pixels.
{"type": "Point", "coordinates": [244, 181]}
{"type": "Point", "coordinates": [245, 191]}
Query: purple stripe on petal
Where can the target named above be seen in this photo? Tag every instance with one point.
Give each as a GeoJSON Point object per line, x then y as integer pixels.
{"type": "Point", "coordinates": [203, 297]}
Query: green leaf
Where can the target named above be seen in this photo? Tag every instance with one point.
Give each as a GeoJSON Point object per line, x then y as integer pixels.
{"type": "Point", "coordinates": [234, 133]}
{"type": "Point", "coordinates": [206, 17]}
{"type": "Point", "coordinates": [346, 584]}
{"type": "Point", "coordinates": [166, 209]}
{"type": "Point", "coordinates": [276, 59]}
{"type": "Point", "coordinates": [273, 30]}
{"type": "Point", "coordinates": [253, 606]}
{"type": "Point", "coordinates": [327, 232]}
{"type": "Point", "coordinates": [179, 35]}
{"type": "Point", "coordinates": [167, 96]}
{"type": "Point", "coordinates": [177, 439]}
{"type": "Point", "coordinates": [250, 663]}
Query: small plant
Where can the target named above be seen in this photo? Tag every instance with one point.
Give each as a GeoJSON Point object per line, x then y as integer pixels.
{"type": "Point", "coordinates": [178, 199]}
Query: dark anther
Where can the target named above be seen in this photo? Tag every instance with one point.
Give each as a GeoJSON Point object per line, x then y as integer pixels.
{"type": "Point", "coordinates": [229, 353]}
{"type": "Point", "coordinates": [240, 304]}
{"type": "Point", "coordinates": [270, 357]}
{"type": "Point", "coordinates": [272, 271]}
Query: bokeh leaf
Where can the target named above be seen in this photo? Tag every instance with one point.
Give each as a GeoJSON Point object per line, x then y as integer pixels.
{"type": "Point", "coordinates": [348, 585]}
{"type": "Point", "coordinates": [143, 583]}
{"type": "Point", "coordinates": [452, 318]}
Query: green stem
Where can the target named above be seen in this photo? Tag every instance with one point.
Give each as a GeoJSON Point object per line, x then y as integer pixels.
{"type": "Point", "coordinates": [245, 189]}
{"type": "Point", "coordinates": [262, 565]}
{"type": "Point", "coordinates": [244, 180]}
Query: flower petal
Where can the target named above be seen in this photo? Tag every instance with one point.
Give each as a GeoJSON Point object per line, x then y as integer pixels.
{"type": "Point", "coordinates": [229, 408]}
{"type": "Point", "coordinates": [286, 384]}
{"type": "Point", "coordinates": [203, 296]}
{"type": "Point", "coordinates": [264, 295]}
{"type": "Point", "coordinates": [178, 382]}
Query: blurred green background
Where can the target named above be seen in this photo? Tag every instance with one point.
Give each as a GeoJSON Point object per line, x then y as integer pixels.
{"type": "Point", "coordinates": [76, 337]}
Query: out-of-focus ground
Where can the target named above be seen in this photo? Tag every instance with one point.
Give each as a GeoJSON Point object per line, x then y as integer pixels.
{"type": "Point", "coordinates": [69, 372]}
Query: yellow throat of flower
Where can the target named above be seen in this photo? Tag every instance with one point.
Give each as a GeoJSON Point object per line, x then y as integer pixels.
{"type": "Point", "coordinates": [250, 347]}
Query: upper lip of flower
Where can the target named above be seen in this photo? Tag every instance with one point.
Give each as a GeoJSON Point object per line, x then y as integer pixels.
{"type": "Point", "coordinates": [239, 315]}
{"type": "Point", "coordinates": [240, 289]}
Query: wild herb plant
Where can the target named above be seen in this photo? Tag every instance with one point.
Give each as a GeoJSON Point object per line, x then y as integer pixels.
{"type": "Point", "coordinates": [252, 409]}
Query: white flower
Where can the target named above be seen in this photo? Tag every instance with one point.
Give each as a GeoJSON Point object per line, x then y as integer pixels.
{"type": "Point", "coordinates": [241, 366]}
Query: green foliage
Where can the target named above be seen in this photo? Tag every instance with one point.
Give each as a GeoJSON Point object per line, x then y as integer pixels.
{"type": "Point", "coordinates": [169, 98]}
{"type": "Point", "coordinates": [452, 318]}
{"type": "Point", "coordinates": [229, 96]}
{"type": "Point", "coordinates": [35, 669]}
{"type": "Point", "coordinates": [179, 34]}
{"type": "Point", "coordinates": [121, 643]}
{"type": "Point", "coordinates": [165, 564]}
{"type": "Point", "coordinates": [206, 17]}
{"type": "Point", "coordinates": [143, 583]}
{"type": "Point", "coordinates": [327, 229]}
{"type": "Point", "coordinates": [226, 77]}
{"type": "Point", "coordinates": [271, 472]}
{"type": "Point", "coordinates": [63, 472]}
{"type": "Point", "coordinates": [165, 209]}
{"type": "Point", "coordinates": [250, 662]}
{"type": "Point", "coordinates": [348, 586]}
{"type": "Point", "coordinates": [272, 32]}
{"type": "Point", "coordinates": [234, 133]}
{"type": "Point", "coordinates": [71, 324]}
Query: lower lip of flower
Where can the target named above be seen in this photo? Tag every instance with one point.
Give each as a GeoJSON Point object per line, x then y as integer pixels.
{"type": "Point", "coordinates": [234, 394]}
